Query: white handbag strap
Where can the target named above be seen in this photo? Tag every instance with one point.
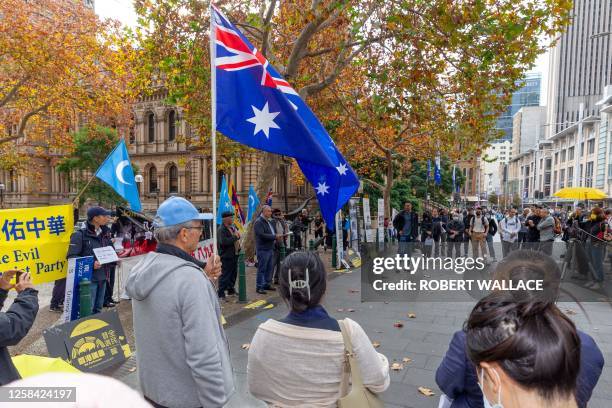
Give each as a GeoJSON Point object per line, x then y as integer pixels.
{"type": "Point", "coordinates": [348, 351]}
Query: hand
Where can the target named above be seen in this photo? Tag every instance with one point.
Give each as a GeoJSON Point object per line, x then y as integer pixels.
{"type": "Point", "coordinates": [279, 237]}
{"type": "Point", "coordinates": [237, 234]}
{"type": "Point", "coordinates": [97, 265]}
{"type": "Point", "coordinates": [25, 282]}
{"type": "Point", "coordinates": [213, 268]}
{"type": "Point", "coordinates": [5, 280]}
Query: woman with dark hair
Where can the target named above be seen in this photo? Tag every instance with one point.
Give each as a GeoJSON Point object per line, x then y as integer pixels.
{"type": "Point", "coordinates": [300, 360]}
{"type": "Point", "coordinates": [456, 375]}
{"type": "Point", "coordinates": [526, 353]}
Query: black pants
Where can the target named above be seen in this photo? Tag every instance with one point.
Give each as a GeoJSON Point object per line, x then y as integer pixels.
{"type": "Point", "coordinates": [59, 292]}
{"type": "Point", "coordinates": [229, 270]}
{"type": "Point", "coordinates": [318, 233]}
{"type": "Point", "coordinates": [522, 238]}
{"type": "Point", "coordinates": [110, 285]}
{"type": "Point", "coordinates": [276, 265]}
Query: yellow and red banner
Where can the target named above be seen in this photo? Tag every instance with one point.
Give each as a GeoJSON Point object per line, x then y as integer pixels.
{"type": "Point", "coordinates": [36, 240]}
{"type": "Point", "coordinates": [239, 218]}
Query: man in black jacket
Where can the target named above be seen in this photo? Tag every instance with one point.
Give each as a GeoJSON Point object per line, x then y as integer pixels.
{"type": "Point", "coordinates": [406, 223]}
{"type": "Point", "coordinates": [227, 237]}
{"type": "Point", "coordinates": [95, 234]}
{"type": "Point", "coordinates": [16, 321]}
{"type": "Point", "coordinates": [265, 237]}
{"type": "Point", "coordinates": [467, 224]}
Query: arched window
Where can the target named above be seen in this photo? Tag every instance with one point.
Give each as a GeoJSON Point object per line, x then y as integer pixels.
{"type": "Point", "coordinates": [172, 179]}
{"type": "Point", "coordinates": [171, 126]}
{"type": "Point", "coordinates": [152, 179]}
{"type": "Point", "coordinates": [151, 127]}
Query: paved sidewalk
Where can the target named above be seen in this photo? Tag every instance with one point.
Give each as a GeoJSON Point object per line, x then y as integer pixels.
{"type": "Point", "coordinates": [424, 339]}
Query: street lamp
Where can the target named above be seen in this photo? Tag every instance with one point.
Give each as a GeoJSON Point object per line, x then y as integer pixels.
{"type": "Point", "coordinates": [139, 180]}
{"type": "Point", "coordinates": [2, 187]}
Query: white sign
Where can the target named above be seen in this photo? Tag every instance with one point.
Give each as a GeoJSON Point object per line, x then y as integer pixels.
{"type": "Point", "coordinates": [339, 243]}
{"type": "Point", "coordinates": [354, 224]}
{"type": "Point", "coordinates": [381, 220]}
{"type": "Point", "coordinates": [205, 250]}
{"type": "Point", "coordinates": [367, 220]}
{"type": "Point", "coordinates": [106, 255]}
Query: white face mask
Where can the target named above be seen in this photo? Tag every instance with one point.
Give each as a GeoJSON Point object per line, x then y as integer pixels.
{"type": "Point", "coordinates": [486, 402]}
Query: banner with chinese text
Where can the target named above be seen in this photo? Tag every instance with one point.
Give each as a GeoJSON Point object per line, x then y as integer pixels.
{"type": "Point", "coordinates": [36, 240]}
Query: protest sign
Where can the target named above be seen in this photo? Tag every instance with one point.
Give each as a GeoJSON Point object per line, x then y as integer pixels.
{"type": "Point", "coordinates": [36, 240]}
{"type": "Point", "coordinates": [367, 221]}
{"type": "Point", "coordinates": [91, 344]}
{"type": "Point", "coordinates": [106, 255]}
{"type": "Point", "coordinates": [381, 220]}
{"type": "Point", "coordinates": [339, 240]}
{"type": "Point", "coordinates": [78, 269]}
{"type": "Point", "coordinates": [205, 250]}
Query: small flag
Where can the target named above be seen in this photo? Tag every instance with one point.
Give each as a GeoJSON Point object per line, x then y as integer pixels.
{"type": "Point", "coordinates": [225, 204]}
{"type": "Point", "coordinates": [269, 198]}
{"type": "Point", "coordinates": [428, 170]}
{"type": "Point", "coordinates": [253, 203]}
{"type": "Point", "coordinates": [239, 218]}
{"type": "Point", "coordinates": [437, 175]}
{"type": "Point", "coordinates": [117, 172]}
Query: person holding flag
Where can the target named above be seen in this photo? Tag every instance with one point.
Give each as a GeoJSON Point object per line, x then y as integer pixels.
{"type": "Point", "coordinates": [228, 243]}
{"type": "Point", "coordinates": [239, 219]}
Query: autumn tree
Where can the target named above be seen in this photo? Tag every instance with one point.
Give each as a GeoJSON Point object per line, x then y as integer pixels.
{"type": "Point", "coordinates": [60, 67]}
{"type": "Point", "coordinates": [439, 84]}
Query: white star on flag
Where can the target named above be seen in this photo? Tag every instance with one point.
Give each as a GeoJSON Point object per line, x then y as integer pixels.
{"type": "Point", "coordinates": [342, 169]}
{"type": "Point", "coordinates": [263, 120]}
{"type": "Point", "coordinates": [322, 189]}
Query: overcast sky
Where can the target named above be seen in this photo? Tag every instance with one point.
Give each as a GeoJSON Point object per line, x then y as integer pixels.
{"type": "Point", "coordinates": [123, 11]}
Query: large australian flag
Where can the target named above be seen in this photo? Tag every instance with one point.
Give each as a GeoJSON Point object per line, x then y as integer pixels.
{"type": "Point", "coordinates": [257, 107]}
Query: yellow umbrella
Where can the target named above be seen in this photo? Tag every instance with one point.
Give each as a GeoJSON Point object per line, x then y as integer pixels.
{"type": "Point", "coordinates": [581, 193]}
{"type": "Point", "coordinates": [29, 366]}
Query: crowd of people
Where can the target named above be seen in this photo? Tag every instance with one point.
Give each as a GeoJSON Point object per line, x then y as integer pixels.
{"type": "Point", "coordinates": [584, 234]}
{"type": "Point", "coordinates": [516, 348]}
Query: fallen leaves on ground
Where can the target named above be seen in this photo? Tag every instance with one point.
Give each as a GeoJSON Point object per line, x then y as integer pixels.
{"type": "Point", "coordinates": [350, 310]}
{"type": "Point", "coordinates": [407, 360]}
{"type": "Point", "coordinates": [397, 367]}
{"type": "Point", "coordinates": [246, 346]}
{"type": "Point", "coordinates": [131, 370]}
{"type": "Point", "coordinates": [339, 310]}
{"type": "Point", "coordinates": [353, 290]}
{"type": "Point", "coordinates": [412, 315]}
{"type": "Point", "coordinates": [399, 325]}
{"type": "Point", "coordinates": [569, 312]}
{"type": "Point", "coordinates": [376, 344]}
{"type": "Point", "coordinates": [426, 391]}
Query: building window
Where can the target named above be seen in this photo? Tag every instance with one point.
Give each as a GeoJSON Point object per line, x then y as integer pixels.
{"type": "Point", "coordinates": [562, 178]}
{"type": "Point", "coordinates": [554, 178]}
{"type": "Point", "coordinates": [152, 179]}
{"type": "Point", "coordinates": [570, 176]}
{"type": "Point", "coordinates": [589, 175]}
{"type": "Point", "coordinates": [570, 153]}
{"type": "Point", "coordinates": [563, 156]}
{"type": "Point", "coordinates": [12, 184]}
{"type": "Point", "coordinates": [556, 158]}
{"type": "Point", "coordinates": [172, 179]}
{"type": "Point", "coordinates": [151, 127]}
{"type": "Point", "coordinates": [171, 126]}
{"type": "Point", "coordinates": [582, 149]}
{"type": "Point", "coordinates": [591, 146]}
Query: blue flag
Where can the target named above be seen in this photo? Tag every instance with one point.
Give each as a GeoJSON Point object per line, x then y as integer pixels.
{"type": "Point", "coordinates": [257, 107]}
{"type": "Point", "coordinates": [253, 203]}
{"type": "Point", "coordinates": [225, 203]}
{"type": "Point", "coordinates": [428, 170]}
{"type": "Point", "coordinates": [117, 172]}
{"type": "Point", "coordinates": [437, 175]}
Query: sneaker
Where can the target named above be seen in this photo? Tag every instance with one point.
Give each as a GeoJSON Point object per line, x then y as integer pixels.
{"type": "Point", "coordinates": [261, 291]}
{"type": "Point", "coordinates": [109, 304]}
{"type": "Point", "coordinates": [270, 288]}
{"type": "Point", "coordinates": [231, 292]}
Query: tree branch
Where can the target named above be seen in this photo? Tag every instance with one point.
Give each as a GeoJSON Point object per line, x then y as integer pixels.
{"type": "Point", "coordinates": [373, 183]}
{"type": "Point", "coordinates": [23, 122]}
{"type": "Point", "coordinates": [7, 98]}
{"type": "Point", "coordinates": [266, 32]}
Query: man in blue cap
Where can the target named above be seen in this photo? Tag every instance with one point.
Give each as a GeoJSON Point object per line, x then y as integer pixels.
{"type": "Point", "coordinates": [95, 234]}
{"type": "Point", "coordinates": [183, 354]}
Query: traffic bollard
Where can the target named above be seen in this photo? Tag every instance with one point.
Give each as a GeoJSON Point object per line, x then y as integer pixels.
{"type": "Point", "coordinates": [242, 294]}
{"type": "Point", "coordinates": [334, 255]}
{"type": "Point", "coordinates": [85, 308]}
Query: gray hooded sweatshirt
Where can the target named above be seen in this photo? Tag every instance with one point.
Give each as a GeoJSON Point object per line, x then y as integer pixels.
{"type": "Point", "coordinates": [181, 349]}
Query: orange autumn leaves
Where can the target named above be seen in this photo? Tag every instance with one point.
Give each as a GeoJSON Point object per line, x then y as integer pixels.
{"type": "Point", "coordinates": [60, 67]}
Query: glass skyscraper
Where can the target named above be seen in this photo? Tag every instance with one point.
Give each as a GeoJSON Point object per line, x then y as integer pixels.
{"type": "Point", "coordinates": [527, 95]}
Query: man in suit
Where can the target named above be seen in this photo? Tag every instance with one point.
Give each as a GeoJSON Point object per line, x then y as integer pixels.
{"type": "Point", "coordinates": [406, 223]}
{"type": "Point", "coordinates": [265, 237]}
{"type": "Point", "coordinates": [227, 242]}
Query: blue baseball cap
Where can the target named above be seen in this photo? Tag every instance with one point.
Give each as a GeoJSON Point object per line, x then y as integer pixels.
{"type": "Point", "coordinates": [176, 210]}
{"type": "Point", "coordinates": [95, 211]}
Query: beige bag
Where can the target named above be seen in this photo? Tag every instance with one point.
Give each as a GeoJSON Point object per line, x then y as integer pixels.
{"type": "Point", "coordinates": [359, 396]}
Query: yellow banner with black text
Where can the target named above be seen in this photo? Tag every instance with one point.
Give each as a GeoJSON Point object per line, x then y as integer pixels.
{"type": "Point", "coordinates": [36, 240]}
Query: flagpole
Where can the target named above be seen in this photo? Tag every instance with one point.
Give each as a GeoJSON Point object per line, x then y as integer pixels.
{"type": "Point", "coordinates": [213, 118]}
{"type": "Point", "coordinates": [76, 199]}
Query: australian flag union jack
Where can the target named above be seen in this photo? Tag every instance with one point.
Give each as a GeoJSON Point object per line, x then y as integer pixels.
{"type": "Point", "coordinates": [257, 107]}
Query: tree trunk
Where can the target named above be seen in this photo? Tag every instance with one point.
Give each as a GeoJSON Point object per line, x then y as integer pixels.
{"type": "Point", "coordinates": [269, 169]}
